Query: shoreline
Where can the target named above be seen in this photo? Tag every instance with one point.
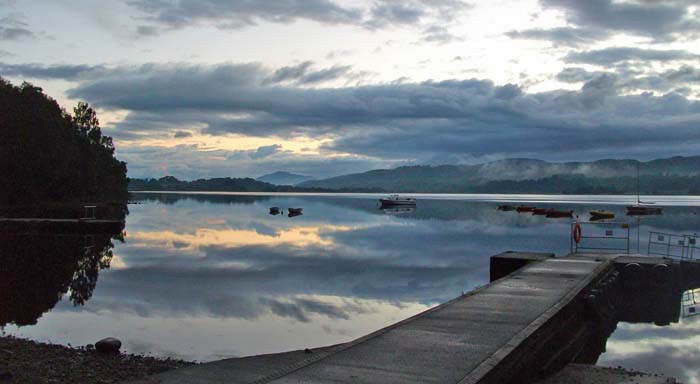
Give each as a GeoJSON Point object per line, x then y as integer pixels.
{"type": "Point", "coordinates": [29, 361]}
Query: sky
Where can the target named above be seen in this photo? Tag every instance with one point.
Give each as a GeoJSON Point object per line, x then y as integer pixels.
{"type": "Point", "coordinates": [238, 88]}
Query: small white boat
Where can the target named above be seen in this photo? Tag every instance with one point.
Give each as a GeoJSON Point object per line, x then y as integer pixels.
{"type": "Point", "coordinates": [397, 200]}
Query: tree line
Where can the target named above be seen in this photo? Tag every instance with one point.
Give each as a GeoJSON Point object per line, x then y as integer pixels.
{"type": "Point", "coordinates": [49, 155]}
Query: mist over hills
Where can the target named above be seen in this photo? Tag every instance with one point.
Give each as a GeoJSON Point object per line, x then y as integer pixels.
{"type": "Point", "coordinates": [284, 178]}
{"type": "Point", "coordinates": [671, 175]}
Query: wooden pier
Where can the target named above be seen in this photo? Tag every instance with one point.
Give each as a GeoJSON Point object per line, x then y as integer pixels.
{"type": "Point", "coordinates": [538, 315]}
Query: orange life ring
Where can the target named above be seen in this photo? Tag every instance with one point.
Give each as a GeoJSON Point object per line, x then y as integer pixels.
{"type": "Point", "coordinates": [577, 233]}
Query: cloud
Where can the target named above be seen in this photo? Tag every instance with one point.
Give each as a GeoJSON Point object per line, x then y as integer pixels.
{"type": "Point", "coordinates": [13, 28]}
{"type": "Point", "coordinates": [677, 80]}
{"type": "Point", "coordinates": [561, 36]}
{"type": "Point", "coordinates": [304, 74]}
{"type": "Point", "coordinates": [659, 20]}
{"type": "Point", "coordinates": [265, 151]}
{"type": "Point", "coordinates": [240, 13]}
{"type": "Point", "coordinates": [438, 34]}
{"type": "Point", "coordinates": [182, 134]}
{"type": "Point", "coordinates": [393, 123]}
{"type": "Point", "coordinates": [161, 16]}
{"type": "Point", "coordinates": [394, 12]}
{"type": "Point", "coordinates": [40, 71]}
{"type": "Point", "coordinates": [613, 55]}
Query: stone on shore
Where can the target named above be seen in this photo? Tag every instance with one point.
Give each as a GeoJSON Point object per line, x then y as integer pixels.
{"type": "Point", "coordinates": [108, 345]}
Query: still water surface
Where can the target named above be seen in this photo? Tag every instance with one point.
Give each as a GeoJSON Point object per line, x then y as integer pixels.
{"type": "Point", "coordinates": [209, 276]}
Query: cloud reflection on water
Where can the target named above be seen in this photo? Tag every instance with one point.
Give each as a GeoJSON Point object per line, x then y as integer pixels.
{"type": "Point", "coordinates": [203, 276]}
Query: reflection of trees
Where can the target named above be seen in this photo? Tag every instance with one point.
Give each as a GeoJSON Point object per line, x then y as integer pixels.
{"type": "Point", "coordinates": [37, 270]}
{"type": "Point", "coordinates": [172, 198]}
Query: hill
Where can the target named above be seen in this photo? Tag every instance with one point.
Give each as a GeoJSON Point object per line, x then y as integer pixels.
{"type": "Point", "coordinates": [677, 175]}
{"type": "Point", "coordinates": [284, 178]}
{"type": "Point", "coordinates": [222, 184]}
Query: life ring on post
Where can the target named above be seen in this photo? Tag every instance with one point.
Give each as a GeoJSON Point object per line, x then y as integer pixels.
{"type": "Point", "coordinates": [577, 233]}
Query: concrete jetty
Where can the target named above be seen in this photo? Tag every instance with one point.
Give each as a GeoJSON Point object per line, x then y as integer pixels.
{"type": "Point", "coordinates": [539, 314]}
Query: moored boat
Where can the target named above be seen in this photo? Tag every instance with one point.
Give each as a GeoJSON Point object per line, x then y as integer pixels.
{"type": "Point", "coordinates": [506, 207]}
{"type": "Point", "coordinates": [541, 211]}
{"type": "Point", "coordinates": [641, 210]}
{"type": "Point", "coordinates": [397, 200]}
{"type": "Point", "coordinates": [601, 214]}
{"type": "Point", "coordinates": [274, 210]}
{"type": "Point", "coordinates": [525, 208]}
{"type": "Point", "coordinates": [556, 214]}
{"type": "Point", "coordinates": [291, 212]}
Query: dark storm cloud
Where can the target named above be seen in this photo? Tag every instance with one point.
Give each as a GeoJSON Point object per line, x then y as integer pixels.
{"type": "Point", "coordinates": [613, 55]}
{"type": "Point", "coordinates": [561, 36]}
{"type": "Point", "coordinates": [658, 20]}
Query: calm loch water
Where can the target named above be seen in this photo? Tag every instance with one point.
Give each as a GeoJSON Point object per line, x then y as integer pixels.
{"type": "Point", "coordinates": [208, 276]}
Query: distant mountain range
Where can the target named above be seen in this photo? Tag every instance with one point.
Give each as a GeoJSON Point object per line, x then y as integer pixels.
{"type": "Point", "coordinates": [672, 176]}
{"type": "Point", "coordinates": [284, 178]}
{"type": "Point", "coordinates": [223, 184]}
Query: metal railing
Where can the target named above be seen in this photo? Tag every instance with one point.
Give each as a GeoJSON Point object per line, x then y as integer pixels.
{"type": "Point", "coordinates": [690, 303]}
{"type": "Point", "coordinates": [611, 237]}
{"type": "Point", "coordinates": [684, 247]}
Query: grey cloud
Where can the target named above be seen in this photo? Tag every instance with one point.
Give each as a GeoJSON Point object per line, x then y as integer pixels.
{"type": "Point", "coordinates": [182, 134]}
{"type": "Point", "coordinates": [229, 14]}
{"type": "Point", "coordinates": [305, 74]}
{"type": "Point", "coordinates": [12, 28]}
{"type": "Point", "coordinates": [561, 36]}
{"type": "Point", "coordinates": [395, 12]}
{"type": "Point", "coordinates": [659, 20]}
{"type": "Point", "coordinates": [64, 72]}
{"type": "Point", "coordinates": [576, 75]}
{"type": "Point", "coordinates": [265, 151]}
{"type": "Point", "coordinates": [232, 14]}
{"type": "Point", "coordinates": [386, 124]}
{"type": "Point", "coordinates": [608, 56]}
{"type": "Point", "coordinates": [439, 34]}
{"type": "Point", "coordinates": [676, 80]}
{"type": "Point", "coordinates": [470, 116]}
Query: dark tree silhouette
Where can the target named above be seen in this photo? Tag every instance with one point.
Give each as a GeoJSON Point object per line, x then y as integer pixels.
{"type": "Point", "coordinates": [47, 155]}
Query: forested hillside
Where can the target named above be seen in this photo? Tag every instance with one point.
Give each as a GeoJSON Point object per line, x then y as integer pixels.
{"type": "Point", "coordinates": [49, 155]}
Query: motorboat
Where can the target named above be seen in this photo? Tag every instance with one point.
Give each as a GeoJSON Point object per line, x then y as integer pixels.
{"type": "Point", "coordinates": [556, 214]}
{"type": "Point", "coordinates": [397, 200]}
{"type": "Point", "coordinates": [524, 208]}
{"type": "Point", "coordinates": [601, 214]}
